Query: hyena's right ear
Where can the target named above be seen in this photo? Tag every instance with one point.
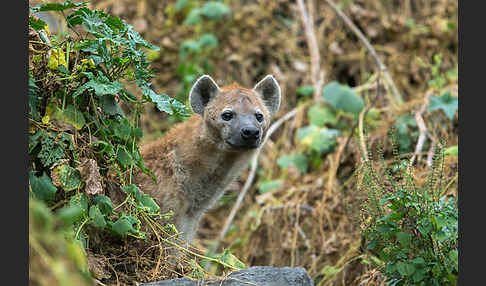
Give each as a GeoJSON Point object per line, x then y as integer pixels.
{"type": "Point", "coordinates": [202, 92]}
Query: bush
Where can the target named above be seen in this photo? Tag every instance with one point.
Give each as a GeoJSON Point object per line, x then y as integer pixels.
{"type": "Point", "coordinates": [411, 229]}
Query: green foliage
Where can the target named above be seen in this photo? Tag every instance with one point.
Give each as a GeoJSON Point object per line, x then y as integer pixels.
{"type": "Point", "coordinates": [445, 102]}
{"type": "Point", "coordinates": [194, 52]}
{"type": "Point", "coordinates": [410, 229]}
{"type": "Point", "coordinates": [342, 97]}
{"type": "Point", "coordinates": [299, 161]}
{"type": "Point", "coordinates": [75, 92]}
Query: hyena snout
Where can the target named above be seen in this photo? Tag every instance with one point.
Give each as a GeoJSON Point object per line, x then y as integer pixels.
{"type": "Point", "coordinates": [250, 133]}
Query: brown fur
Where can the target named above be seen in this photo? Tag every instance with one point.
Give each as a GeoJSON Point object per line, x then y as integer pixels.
{"type": "Point", "coordinates": [192, 164]}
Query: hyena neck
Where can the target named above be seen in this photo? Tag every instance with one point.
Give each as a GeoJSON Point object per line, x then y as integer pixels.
{"type": "Point", "coordinates": [208, 170]}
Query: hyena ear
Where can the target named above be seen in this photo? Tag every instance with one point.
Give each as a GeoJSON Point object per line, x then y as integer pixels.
{"type": "Point", "coordinates": [202, 92]}
{"type": "Point", "coordinates": [269, 90]}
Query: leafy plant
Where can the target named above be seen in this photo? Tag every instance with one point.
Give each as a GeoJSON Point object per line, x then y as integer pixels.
{"type": "Point", "coordinates": [412, 230]}
{"type": "Point", "coordinates": [76, 87]}
{"type": "Point", "coordinates": [194, 53]}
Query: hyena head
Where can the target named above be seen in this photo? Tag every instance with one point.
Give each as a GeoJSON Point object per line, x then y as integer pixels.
{"type": "Point", "coordinates": [235, 117]}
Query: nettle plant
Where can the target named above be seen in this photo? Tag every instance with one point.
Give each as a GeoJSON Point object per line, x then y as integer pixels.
{"type": "Point", "coordinates": [194, 53]}
{"type": "Point", "coordinates": [410, 231]}
{"type": "Point", "coordinates": [442, 104]}
{"type": "Point", "coordinates": [80, 138]}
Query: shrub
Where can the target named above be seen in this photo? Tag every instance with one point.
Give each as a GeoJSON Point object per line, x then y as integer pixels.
{"type": "Point", "coordinates": [411, 229]}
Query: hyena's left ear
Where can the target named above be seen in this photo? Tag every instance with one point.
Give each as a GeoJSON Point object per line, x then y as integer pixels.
{"type": "Point", "coordinates": [203, 90]}
{"type": "Point", "coordinates": [269, 90]}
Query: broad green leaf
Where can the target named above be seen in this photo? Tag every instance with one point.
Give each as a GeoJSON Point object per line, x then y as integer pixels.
{"type": "Point", "coordinates": [300, 161]}
{"type": "Point", "coordinates": [110, 106]}
{"type": "Point", "coordinates": [124, 158]}
{"type": "Point", "coordinates": [342, 97]}
{"type": "Point", "coordinates": [100, 87]}
{"type": "Point", "coordinates": [104, 204]}
{"type": "Point", "coordinates": [71, 115]}
{"type": "Point", "coordinates": [405, 269]}
{"type": "Point", "coordinates": [134, 191]}
{"type": "Point", "coordinates": [80, 200]}
{"type": "Point", "coordinates": [180, 4]}
{"type": "Point", "coordinates": [42, 187]}
{"type": "Point", "coordinates": [70, 214]}
{"type": "Point", "coordinates": [404, 239]}
{"type": "Point", "coordinates": [267, 186]}
{"type": "Point", "coordinates": [66, 177]}
{"type": "Point", "coordinates": [215, 10]}
{"type": "Point", "coordinates": [208, 40]}
{"type": "Point", "coordinates": [193, 18]}
{"type": "Point", "coordinates": [446, 102]}
{"type": "Point", "coordinates": [147, 201]}
{"type": "Point", "coordinates": [319, 116]}
{"type": "Point", "coordinates": [123, 225]}
{"type": "Point", "coordinates": [97, 217]}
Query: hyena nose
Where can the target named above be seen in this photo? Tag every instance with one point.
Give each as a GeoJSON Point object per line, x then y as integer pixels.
{"type": "Point", "coordinates": [249, 133]}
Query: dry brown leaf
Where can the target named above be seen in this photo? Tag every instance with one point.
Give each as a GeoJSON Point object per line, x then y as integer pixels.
{"type": "Point", "coordinates": [90, 174]}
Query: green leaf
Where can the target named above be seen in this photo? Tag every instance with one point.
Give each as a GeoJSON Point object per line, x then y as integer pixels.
{"type": "Point", "coordinates": [80, 200]}
{"type": "Point", "coordinates": [446, 102]}
{"type": "Point", "coordinates": [100, 87]}
{"type": "Point", "coordinates": [148, 202]}
{"type": "Point", "coordinates": [71, 115]}
{"type": "Point", "coordinates": [404, 239]}
{"type": "Point", "coordinates": [104, 204]}
{"type": "Point", "coordinates": [267, 186]}
{"type": "Point", "coordinates": [193, 18]}
{"type": "Point", "coordinates": [320, 116]}
{"type": "Point", "coordinates": [110, 106]}
{"type": "Point", "coordinates": [405, 269]}
{"type": "Point", "coordinates": [300, 161]}
{"type": "Point", "coordinates": [228, 258]}
{"type": "Point", "coordinates": [180, 4]}
{"type": "Point", "coordinates": [342, 97]}
{"type": "Point", "coordinates": [123, 225]}
{"type": "Point", "coordinates": [134, 191]}
{"type": "Point", "coordinates": [124, 158]}
{"type": "Point", "coordinates": [51, 151]}
{"type": "Point", "coordinates": [305, 90]}
{"type": "Point", "coordinates": [208, 40]}
{"type": "Point", "coordinates": [36, 23]}
{"type": "Point", "coordinates": [42, 187]}
{"type": "Point", "coordinates": [66, 177]}
{"type": "Point", "coordinates": [97, 217]}
{"type": "Point", "coordinates": [70, 214]}
{"type": "Point", "coordinates": [215, 10]}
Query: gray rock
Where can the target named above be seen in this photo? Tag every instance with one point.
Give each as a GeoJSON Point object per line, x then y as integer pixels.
{"type": "Point", "coordinates": [257, 275]}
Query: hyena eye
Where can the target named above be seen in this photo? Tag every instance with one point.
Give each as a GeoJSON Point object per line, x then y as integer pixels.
{"type": "Point", "coordinates": [227, 115]}
{"type": "Point", "coordinates": [259, 116]}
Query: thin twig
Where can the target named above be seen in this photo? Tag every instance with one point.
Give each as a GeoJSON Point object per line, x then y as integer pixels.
{"type": "Point", "coordinates": [397, 99]}
{"type": "Point", "coordinates": [423, 130]}
{"type": "Point", "coordinates": [316, 74]}
{"type": "Point", "coordinates": [362, 115]}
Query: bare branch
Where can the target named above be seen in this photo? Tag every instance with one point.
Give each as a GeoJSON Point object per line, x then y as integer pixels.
{"type": "Point", "coordinates": [316, 74]}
